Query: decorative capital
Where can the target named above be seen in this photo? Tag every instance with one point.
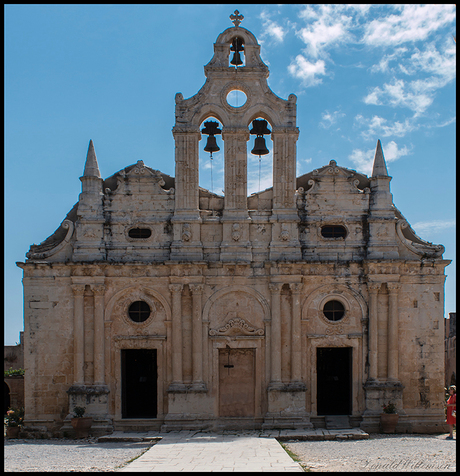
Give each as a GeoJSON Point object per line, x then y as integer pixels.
{"type": "Point", "coordinates": [393, 287]}
{"type": "Point", "coordinates": [374, 287]}
{"type": "Point", "coordinates": [236, 18]}
{"type": "Point", "coordinates": [275, 287]}
{"type": "Point", "coordinates": [176, 288]}
{"type": "Point", "coordinates": [196, 288]}
{"type": "Point", "coordinates": [78, 289]}
{"type": "Point", "coordinates": [98, 289]}
{"type": "Point", "coordinates": [296, 288]}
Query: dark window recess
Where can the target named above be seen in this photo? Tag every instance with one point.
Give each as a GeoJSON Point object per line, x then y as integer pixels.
{"type": "Point", "coordinates": [140, 233]}
{"type": "Point", "coordinates": [139, 311]}
{"type": "Point", "coordinates": [333, 310]}
{"type": "Point", "coordinates": [333, 231]}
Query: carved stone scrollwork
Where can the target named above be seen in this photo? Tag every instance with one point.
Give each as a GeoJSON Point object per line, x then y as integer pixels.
{"type": "Point", "coordinates": [420, 247]}
{"type": "Point", "coordinates": [186, 232]}
{"type": "Point", "coordinates": [284, 235]}
{"type": "Point", "coordinates": [45, 249]}
{"type": "Point", "coordinates": [236, 232]}
{"type": "Point", "coordinates": [236, 326]}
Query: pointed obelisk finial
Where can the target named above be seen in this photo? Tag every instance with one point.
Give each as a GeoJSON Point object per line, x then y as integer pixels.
{"type": "Point", "coordinates": [380, 167]}
{"type": "Point", "coordinates": [91, 166]}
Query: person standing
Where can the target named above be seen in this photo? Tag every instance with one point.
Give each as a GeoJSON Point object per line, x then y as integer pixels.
{"type": "Point", "coordinates": [451, 407]}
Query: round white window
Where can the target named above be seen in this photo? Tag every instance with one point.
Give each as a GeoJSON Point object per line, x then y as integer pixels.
{"type": "Point", "coordinates": [236, 98]}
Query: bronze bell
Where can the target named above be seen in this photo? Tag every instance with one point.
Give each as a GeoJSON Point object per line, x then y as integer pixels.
{"type": "Point", "coordinates": [211, 145]}
{"type": "Point", "coordinates": [236, 60]}
{"type": "Point", "coordinates": [259, 147]}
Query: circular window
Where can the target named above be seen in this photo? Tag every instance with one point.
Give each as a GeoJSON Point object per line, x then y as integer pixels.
{"type": "Point", "coordinates": [139, 311]}
{"type": "Point", "coordinates": [333, 310]}
{"type": "Point", "coordinates": [236, 98]}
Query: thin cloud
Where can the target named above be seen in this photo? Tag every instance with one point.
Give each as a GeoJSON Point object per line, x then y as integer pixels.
{"type": "Point", "coordinates": [431, 227]}
{"type": "Point", "coordinates": [380, 127]}
{"type": "Point", "coordinates": [409, 23]}
{"type": "Point", "coordinates": [330, 118]}
{"type": "Point", "coordinates": [271, 28]}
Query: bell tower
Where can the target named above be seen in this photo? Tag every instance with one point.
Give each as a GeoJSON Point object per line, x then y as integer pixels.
{"type": "Point", "coordinates": [236, 66]}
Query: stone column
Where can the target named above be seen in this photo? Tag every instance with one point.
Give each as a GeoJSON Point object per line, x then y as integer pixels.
{"type": "Point", "coordinates": [78, 334]}
{"type": "Point", "coordinates": [186, 182]}
{"type": "Point", "coordinates": [373, 328]}
{"type": "Point", "coordinates": [176, 331]}
{"type": "Point", "coordinates": [236, 170]}
{"type": "Point", "coordinates": [275, 289]}
{"type": "Point", "coordinates": [296, 352]}
{"type": "Point", "coordinates": [197, 337]}
{"type": "Point", "coordinates": [393, 321]}
{"type": "Point", "coordinates": [284, 168]}
{"type": "Point", "coordinates": [99, 337]}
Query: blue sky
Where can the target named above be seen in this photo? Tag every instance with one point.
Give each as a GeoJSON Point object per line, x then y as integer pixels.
{"type": "Point", "coordinates": [110, 73]}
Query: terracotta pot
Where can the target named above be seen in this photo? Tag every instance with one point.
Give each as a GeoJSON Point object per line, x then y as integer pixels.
{"type": "Point", "coordinates": [82, 426]}
{"type": "Point", "coordinates": [388, 422]}
{"type": "Point", "coordinates": [12, 431]}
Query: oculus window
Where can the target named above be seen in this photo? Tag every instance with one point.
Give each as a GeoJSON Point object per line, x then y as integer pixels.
{"type": "Point", "coordinates": [139, 311]}
{"type": "Point", "coordinates": [333, 310]}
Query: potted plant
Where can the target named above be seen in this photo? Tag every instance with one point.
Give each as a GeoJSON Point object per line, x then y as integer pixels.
{"type": "Point", "coordinates": [389, 418]}
{"type": "Point", "coordinates": [13, 421]}
{"type": "Point", "coordinates": [81, 424]}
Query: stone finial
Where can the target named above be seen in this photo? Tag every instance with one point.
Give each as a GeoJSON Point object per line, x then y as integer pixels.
{"type": "Point", "coordinates": [91, 166]}
{"type": "Point", "coordinates": [380, 167]}
{"type": "Point", "coordinates": [236, 18]}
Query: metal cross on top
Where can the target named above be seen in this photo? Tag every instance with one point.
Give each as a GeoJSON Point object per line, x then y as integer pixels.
{"type": "Point", "coordinates": [236, 18]}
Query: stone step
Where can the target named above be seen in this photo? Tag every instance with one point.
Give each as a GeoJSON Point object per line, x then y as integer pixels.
{"type": "Point", "coordinates": [337, 422]}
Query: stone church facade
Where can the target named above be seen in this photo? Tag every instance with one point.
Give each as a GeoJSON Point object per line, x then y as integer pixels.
{"type": "Point", "coordinates": [157, 304]}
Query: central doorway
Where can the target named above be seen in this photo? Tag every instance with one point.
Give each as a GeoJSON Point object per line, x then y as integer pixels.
{"type": "Point", "coordinates": [139, 383]}
{"type": "Point", "coordinates": [334, 381]}
{"type": "Point", "coordinates": [236, 382]}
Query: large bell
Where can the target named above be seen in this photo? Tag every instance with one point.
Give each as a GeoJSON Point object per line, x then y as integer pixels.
{"type": "Point", "coordinates": [211, 145]}
{"type": "Point", "coordinates": [259, 147]}
{"type": "Point", "coordinates": [236, 60]}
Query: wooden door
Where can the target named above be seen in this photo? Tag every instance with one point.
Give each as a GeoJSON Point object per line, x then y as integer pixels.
{"type": "Point", "coordinates": [236, 382]}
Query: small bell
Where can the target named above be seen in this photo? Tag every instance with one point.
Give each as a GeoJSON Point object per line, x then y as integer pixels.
{"type": "Point", "coordinates": [236, 60]}
{"type": "Point", "coordinates": [211, 145]}
{"type": "Point", "coordinates": [259, 147]}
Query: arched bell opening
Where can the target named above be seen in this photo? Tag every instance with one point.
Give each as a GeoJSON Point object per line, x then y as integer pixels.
{"type": "Point", "coordinates": [260, 156]}
{"type": "Point", "coordinates": [211, 156]}
{"type": "Point", "coordinates": [237, 56]}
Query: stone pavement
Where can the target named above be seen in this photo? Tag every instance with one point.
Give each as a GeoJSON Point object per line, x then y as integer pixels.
{"type": "Point", "coordinates": [226, 451]}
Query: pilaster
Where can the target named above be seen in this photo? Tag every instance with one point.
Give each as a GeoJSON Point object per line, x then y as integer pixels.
{"type": "Point", "coordinates": [373, 328]}
{"type": "Point", "coordinates": [78, 333]}
{"type": "Point", "coordinates": [393, 340]}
